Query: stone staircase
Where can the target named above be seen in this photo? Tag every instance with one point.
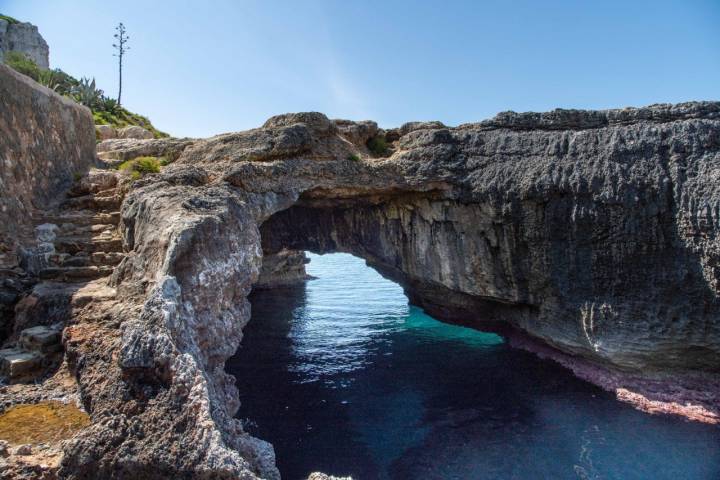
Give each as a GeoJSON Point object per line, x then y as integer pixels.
{"type": "Point", "coordinates": [79, 245]}
{"type": "Point", "coordinates": [86, 243]}
{"type": "Point", "coordinates": [36, 349]}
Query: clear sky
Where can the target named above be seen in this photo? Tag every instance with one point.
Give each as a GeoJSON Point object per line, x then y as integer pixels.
{"type": "Point", "coordinates": [200, 68]}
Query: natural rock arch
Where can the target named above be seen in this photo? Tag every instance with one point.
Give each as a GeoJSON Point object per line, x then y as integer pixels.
{"type": "Point", "coordinates": [593, 233]}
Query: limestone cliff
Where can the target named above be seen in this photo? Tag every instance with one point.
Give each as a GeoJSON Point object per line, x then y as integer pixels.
{"type": "Point", "coordinates": [593, 233]}
{"type": "Point", "coordinates": [286, 267]}
{"type": "Point", "coordinates": [24, 38]}
{"type": "Point", "coordinates": [592, 236]}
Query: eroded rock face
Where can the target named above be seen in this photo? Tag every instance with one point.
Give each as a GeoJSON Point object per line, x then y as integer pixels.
{"type": "Point", "coordinates": [24, 37]}
{"type": "Point", "coordinates": [135, 132]}
{"type": "Point", "coordinates": [286, 267]}
{"type": "Point", "coordinates": [118, 150]}
{"type": "Point", "coordinates": [105, 132]}
{"type": "Point", "coordinates": [592, 233]}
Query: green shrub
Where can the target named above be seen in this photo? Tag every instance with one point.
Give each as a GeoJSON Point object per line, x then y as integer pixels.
{"type": "Point", "coordinates": [22, 63]}
{"type": "Point", "coordinates": [109, 105]}
{"type": "Point", "coordinates": [354, 157]}
{"type": "Point", "coordinates": [147, 164]}
{"type": "Point", "coordinates": [47, 78]}
{"type": "Point", "coordinates": [137, 167]}
{"type": "Point", "coordinates": [9, 19]}
{"type": "Point", "coordinates": [124, 118]}
{"type": "Point", "coordinates": [378, 146]}
{"type": "Point", "coordinates": [87, 93]}
{"type": "Point", "coordinates": [57, 80]}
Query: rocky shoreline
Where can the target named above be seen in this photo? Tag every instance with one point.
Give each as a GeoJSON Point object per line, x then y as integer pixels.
{"type": "Point", "coordinates": [587, 237]}
{"type": "Point", "coordinates": [691, 395]}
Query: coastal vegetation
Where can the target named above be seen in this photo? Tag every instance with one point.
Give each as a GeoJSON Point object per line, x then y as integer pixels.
{"type": "Point", "coordinates": [137, 167]}
{"type": "Point", "coordinates": [8, 19]}
{"type": "Point", "coordinates": [378, 146]}
{"type": "Point", "coordinates": [105, 110]}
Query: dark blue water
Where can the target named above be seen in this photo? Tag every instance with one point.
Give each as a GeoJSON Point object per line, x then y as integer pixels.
{"type": "Point", "coordinates": [343, 376]}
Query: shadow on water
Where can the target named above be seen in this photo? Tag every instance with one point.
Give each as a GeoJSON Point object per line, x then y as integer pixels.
{"type": "Point", "coordinates": [342, 376]}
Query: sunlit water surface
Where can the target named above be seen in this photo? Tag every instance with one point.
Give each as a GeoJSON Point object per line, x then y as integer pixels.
{"type": "Point", "coordinates": [341, 375]}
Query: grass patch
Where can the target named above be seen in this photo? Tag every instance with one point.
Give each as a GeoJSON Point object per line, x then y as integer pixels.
{"type": "Point", "coordinates": [378, 146]}
{"type": "Point", "coordinates": [125, 118]}
{"type": "Point", "coordinates": [41, 423]}
{"type": "Point", "coordinates": [9, 19]}
{"type": "Point", "coordinates": [140, 166]}
{"type": "Point", "coordinates": [20, 62]}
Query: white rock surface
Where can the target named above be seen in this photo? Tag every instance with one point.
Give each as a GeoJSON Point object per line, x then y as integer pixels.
{"type": "Point", "coordinates": [25, 38]}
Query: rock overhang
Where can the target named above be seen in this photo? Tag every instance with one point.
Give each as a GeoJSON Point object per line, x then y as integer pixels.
{"type": "Point", "coordinates": [592, 233]}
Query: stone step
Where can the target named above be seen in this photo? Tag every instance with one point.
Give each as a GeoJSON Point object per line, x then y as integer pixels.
{"type": "Point", "coordinates": [76, 294]}
{"type": "Point", "coordinates": [112, 158]}
{"type": "Point", "coordinates": [66, 260]}
{"type": "Point", "coordinates": [41, 339]}
{"type": "Point", "coordinates": [74, 274]}
{"type": "Point", "coordinates": [94, 202]}
{"type": "Point", "coordinates": [83, 259]}
{"type": "Point", "coordinates": [93, 190]}
{"type": "Point", "coordinates": [74, 245]}
{"type": "Point", "coordinates": [73, 229]}
{"type": "Point", "coordinates": [107, 258]}
{"type": "Point", "coordinates": [80, 217]}
{"type": "Point", "coordinates": [94, 181]}
{"type": "Point", "coordinates": [16, 363]}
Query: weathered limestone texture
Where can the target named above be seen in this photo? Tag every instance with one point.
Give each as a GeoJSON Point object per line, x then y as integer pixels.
{"type": "Point", "coordinates": [134, 131]}
{"type": "Point", "coordinates": [114, 151]}
{"type": "Point", "coordinates": [589, 237]}
{"type": "Point", "coordinates": [592, 233]}
{"type": "Point", "coordinates": [24, 37]}
{"type": "Point", "coordinates": [286, 267]}
{"type": "Point", "coordinates": [45, 141]}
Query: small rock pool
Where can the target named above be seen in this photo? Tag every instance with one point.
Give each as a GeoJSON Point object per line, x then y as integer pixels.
{"type": "Point", "coordinates": [342, 376]}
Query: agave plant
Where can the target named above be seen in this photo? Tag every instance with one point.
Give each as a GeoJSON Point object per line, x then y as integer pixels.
{"type": "Point", "coordinates": [109, 105]}
{"type": "Point", "coordinates": [86, 93]}
{"type": "Point", "coordinates": [50, 79]}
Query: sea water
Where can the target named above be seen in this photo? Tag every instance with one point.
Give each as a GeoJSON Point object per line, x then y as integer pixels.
{"type": "Point", "coordinates": [342, 376]}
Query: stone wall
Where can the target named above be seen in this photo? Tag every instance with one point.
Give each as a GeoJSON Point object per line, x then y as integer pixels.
{"type": "Point", "coordinates": [25, 38]}
{"type": "Point", "coordinates": [45, 141]}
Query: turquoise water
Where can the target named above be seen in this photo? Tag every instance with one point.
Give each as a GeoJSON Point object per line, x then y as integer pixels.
{"type": "Point", "coordinates": [343, 376]}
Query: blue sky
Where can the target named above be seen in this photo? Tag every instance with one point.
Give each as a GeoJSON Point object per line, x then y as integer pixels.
{"type": "Point", "coordinates": [198, 70]}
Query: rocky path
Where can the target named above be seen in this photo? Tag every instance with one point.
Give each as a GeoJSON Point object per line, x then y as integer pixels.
{"type": "Point", "coordinates": [79, 247]}
{"type": "Point", "coordinates": [87, 244]}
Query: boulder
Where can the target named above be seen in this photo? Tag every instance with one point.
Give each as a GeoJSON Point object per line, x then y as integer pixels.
{"type": "Point", "coordinates": [357, 132]}
{"type": "Point", "coordinates": [105, 132]}
{"type": "Point", "coordinates": [134, 132]}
